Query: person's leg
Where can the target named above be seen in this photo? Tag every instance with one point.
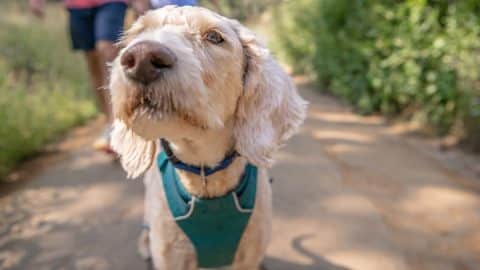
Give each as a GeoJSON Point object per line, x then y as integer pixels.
{"type": "Point", "coordinates": [98, 74]}
{"type": "Point", "coordinates": [109, 20]}
{"type": "Point", "coordinates": [82, 33]}
{"type": "Point", "coordinates": [107, 27]}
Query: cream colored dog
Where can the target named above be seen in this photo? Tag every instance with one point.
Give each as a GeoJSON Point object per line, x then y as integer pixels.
{"type": "Point", "coordinates": [208, 86]}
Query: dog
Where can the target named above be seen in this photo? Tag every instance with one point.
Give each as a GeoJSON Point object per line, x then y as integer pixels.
{"type": "Point", "coordinates": [200, 107]}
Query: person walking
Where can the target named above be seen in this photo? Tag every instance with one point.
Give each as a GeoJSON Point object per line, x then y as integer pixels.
{"type": "Point", "coordinates": [95, 26]}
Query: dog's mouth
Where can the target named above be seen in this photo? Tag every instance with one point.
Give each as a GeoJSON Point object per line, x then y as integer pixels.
{"type": "Point", "coordinates": [163, 108]}
{"type": "Point", "coordinates": [154, 109]}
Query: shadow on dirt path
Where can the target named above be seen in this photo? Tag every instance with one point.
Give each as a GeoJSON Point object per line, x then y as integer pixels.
{"type": "Point", "coordinates": [316, 262]}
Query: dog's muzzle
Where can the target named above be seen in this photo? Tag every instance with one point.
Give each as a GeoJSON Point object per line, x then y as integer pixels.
{"type": "Point", "coordinates": [145, 61]}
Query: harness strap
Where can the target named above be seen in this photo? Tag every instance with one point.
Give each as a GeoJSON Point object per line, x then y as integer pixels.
{"type": "Point", "coordinates": [199, 170]}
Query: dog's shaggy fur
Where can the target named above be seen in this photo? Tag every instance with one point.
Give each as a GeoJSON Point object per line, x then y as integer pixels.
{"type": "Point", "coordinates": [217, 97]}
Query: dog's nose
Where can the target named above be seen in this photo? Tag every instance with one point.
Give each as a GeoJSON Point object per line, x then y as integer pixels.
{"type": "Point", "coordinates": [145, 61]}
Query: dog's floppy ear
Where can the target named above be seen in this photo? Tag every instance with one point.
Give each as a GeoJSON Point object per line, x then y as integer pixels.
{"type": "Point", "coordinates": [136, 154]}
{"type": "Point", "coordinates": [269, 110]}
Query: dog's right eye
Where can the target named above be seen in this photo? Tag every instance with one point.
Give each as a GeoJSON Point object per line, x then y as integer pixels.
{"type": "Point", "coordinates": [214, 37]}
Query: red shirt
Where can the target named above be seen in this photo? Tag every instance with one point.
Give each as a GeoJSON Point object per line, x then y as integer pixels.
{"type": "Point", "coordinates": [89, 3]}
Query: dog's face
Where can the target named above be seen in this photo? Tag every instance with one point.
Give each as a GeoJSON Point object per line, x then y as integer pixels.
{"type": "Point", "coordinates": [183, 63]}
{"type": "Point", "coordinates": [191, 67]}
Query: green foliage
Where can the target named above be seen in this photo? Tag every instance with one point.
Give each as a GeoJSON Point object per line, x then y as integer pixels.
{"type": "Point", "coordinates": [44, 89]}
{"type": "Point", "coordinates": [415, 57]}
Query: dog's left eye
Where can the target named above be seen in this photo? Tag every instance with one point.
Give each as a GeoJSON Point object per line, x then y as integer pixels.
{"type": "Point", "coordinates": [214, 37]}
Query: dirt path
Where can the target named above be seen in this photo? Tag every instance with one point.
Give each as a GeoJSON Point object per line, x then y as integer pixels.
{"type": "Point", "coordinates": [349, 193]}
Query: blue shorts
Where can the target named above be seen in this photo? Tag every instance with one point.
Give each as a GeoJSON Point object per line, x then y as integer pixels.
{"type": "Point", "coordinates": [101, 23]}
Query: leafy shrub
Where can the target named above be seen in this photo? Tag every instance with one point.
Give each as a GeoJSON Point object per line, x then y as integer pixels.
{"type": "Point", "coordinates": [44, 88]}
{"type": "Point", "coordinates": [415, 57]}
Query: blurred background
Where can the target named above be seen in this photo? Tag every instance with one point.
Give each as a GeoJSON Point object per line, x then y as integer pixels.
{"type": "Point", "coordinates": [401, 74]}
{"type": "Point", "coordinates": [414, 59]}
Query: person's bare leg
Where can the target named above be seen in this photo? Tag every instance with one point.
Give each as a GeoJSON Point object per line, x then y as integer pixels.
{"type": "Point", "coordinates": [97, 60]}
{"type": "Point", "coordinates": [98, 78]}
{"type": "Point", "coordinates": [107, 51]}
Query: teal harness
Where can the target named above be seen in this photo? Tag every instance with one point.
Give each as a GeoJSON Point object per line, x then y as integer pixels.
{"type": "Point", "coordinates": [214, 226]}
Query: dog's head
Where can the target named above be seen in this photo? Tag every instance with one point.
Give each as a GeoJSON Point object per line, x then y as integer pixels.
{"type": "Point", "coordinates": [190, 67]}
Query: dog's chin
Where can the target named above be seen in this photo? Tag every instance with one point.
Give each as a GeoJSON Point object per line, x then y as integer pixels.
{"type": "Point", "coordinates": [151, 113]}
{"type": "Point", "coordinates": [152, 124]}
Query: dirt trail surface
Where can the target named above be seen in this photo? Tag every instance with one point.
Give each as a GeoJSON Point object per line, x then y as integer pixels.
{"type": "Point", "coordinates": [349, 193]}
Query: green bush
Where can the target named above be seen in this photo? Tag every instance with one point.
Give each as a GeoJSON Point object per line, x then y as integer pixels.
{"type": "Point", "coordinates": [44, 88]}
{"type": "Point", "coordinates": [416, 58]}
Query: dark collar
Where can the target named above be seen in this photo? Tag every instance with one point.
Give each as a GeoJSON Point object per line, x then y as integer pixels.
{"type": "Point", "coordinates": [202, 170]}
